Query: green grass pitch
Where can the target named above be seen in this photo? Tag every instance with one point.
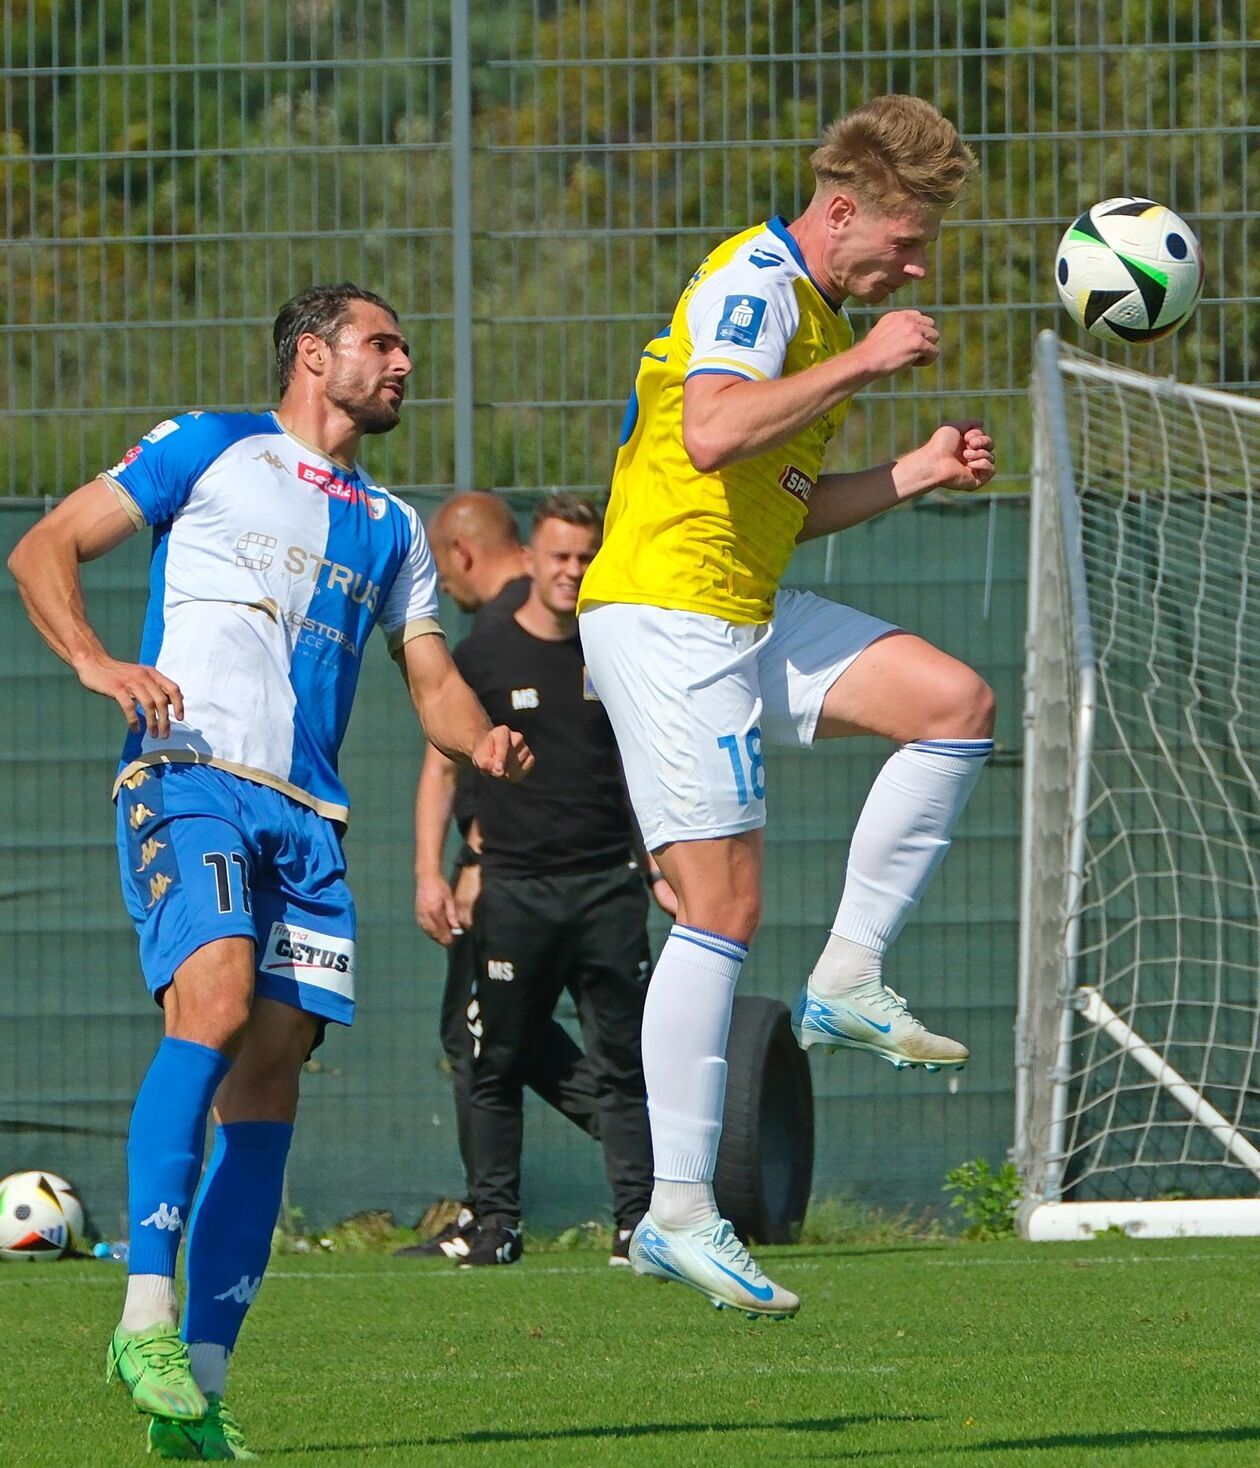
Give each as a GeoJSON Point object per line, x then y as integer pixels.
{"type": "Point", "coordinates": [1112, 1352]}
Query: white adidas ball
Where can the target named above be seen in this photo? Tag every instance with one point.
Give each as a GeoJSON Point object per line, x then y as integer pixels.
{"type": "Point", "coordinates": [1129, 270]}
{"type": "Point", "coordinates": [40, 1216]}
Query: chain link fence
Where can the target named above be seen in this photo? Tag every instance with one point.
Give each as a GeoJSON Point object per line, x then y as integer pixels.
{"type": "Point", "coordinates": [531, 184]}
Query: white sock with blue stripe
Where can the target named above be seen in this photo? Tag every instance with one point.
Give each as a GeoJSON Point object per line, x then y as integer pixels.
{"type": "Point", "coordinates": [686, 1019]}
{"type": "Point", "coordinates": [900, 839]}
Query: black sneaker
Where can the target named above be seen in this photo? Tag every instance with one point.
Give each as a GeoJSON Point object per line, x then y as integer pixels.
{"type": "Point", "coordinates": [619, 1254]}
{"type": "Point", "coordinates": [451, 1243]}
{"type": "Point", "coordinates": [492, 1243]}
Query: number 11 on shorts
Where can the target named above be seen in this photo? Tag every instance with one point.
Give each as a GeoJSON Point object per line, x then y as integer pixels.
{"type": "Point", "coordinates": [755, 779]}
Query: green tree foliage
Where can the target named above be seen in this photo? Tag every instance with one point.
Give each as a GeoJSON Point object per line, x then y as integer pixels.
{"type": "Point", "coordinates": [169, 175]}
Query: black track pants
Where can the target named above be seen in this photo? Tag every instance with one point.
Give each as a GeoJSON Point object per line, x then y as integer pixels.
{"type": "Point", "coordinates": [534, 937]}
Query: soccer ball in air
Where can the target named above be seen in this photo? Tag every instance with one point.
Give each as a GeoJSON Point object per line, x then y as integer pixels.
{"type": "Point", "coordinates": [40, 1216]}
{"type": "Point", "coordinates": [1129, 270]}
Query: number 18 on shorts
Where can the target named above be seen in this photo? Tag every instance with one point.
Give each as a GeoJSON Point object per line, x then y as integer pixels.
{"type": "Point", "coordinates": [683, 692]}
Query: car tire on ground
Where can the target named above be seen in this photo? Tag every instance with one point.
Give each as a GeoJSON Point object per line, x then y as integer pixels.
{"type": "Point", "coordinates": [765, 1165]}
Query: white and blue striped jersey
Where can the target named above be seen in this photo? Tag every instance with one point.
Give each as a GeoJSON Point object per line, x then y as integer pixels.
{"type": "Point", "coordinates": [270, 566]}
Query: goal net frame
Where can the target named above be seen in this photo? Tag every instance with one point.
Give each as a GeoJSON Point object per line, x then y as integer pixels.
{"type": "Point", "coordinates": [1109, 1131]}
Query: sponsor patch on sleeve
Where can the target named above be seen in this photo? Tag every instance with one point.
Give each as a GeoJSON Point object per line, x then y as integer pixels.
{"type": "Point", "coordinates": [741, 320]}
{"type": "Point", "coordinates": [797, 482]}
{"type": "Point", "coordinates": [159, 431]}
{"type": "Point", "coordinates": [129, 458]}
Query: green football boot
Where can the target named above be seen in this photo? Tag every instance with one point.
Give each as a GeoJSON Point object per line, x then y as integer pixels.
{"type": "Point", "coordinates": [216, 1438]}
{"type": "Point", "coordinates": [153, 1366]}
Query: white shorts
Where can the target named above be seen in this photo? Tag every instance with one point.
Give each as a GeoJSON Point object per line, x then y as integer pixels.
{"type": "Point", "coordinates": [692, 699]}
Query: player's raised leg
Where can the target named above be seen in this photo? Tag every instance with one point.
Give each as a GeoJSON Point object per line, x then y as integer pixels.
{"type": "Point", "coordinates": [686, 1019]}
{"type": "Point", "coordinates": [206, 1007]}
{"type": "Point", "coordinates": [941, 714]}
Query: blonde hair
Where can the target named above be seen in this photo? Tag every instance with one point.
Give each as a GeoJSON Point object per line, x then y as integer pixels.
{"type": "Point", "coordinates": [894, 151]}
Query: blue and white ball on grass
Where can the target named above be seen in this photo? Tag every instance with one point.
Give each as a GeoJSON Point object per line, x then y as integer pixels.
{"type": "Point", "coordinates": [1129, 270]}
{"type": "Point", "coordinates": [41, 1216]}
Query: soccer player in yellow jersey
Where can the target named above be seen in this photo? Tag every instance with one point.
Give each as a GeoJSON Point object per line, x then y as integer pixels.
{"type": "Point", "coordinates": [701, 659]}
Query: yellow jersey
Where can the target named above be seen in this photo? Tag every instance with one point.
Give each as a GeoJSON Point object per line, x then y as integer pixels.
{"type": "Point", "coordinates": [718, 543]}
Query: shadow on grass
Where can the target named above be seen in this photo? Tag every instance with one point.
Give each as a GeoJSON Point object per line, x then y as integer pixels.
{"type": "Point", "coordinates": [570, 1434]}
{"type": "Point", "coordinates": [1135, 1438]}
{"type": "Point", "coordinates": [803, 1253]}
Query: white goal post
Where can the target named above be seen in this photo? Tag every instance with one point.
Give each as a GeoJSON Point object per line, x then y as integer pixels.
{"type": "Point", "coordinates": [1138, 1031]}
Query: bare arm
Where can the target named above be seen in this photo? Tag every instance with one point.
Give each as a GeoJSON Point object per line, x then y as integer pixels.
{"type": "Point", "coordinates": [45, 564]}
{"type": "Point", "coordinates": [435, 796]}
{"type": "Point", "coordinates": [957, 456]}
{"type": "Point", "coordinates": [726, 419]}
{"type": "Point", "coordinates": [451, 715]}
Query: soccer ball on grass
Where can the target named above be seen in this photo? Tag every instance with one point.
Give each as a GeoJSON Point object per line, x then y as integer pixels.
{"type": "Point", "coordinates": [41, 1216]}
{"type": "Point", "coordinates": [1129, 270]}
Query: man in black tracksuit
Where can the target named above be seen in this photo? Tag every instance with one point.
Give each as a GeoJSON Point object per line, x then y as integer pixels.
{"type": "Point", "coordinates": [563, 902]}
{"type": "Point", "coordinates": [481, 565]}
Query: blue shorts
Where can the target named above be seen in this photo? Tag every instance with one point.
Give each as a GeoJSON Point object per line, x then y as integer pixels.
{"type": "Point", "coordinates": [205, 854]}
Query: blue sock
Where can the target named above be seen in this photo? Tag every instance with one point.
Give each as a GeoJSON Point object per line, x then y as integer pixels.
{"type": "Point", "coordinates": [165, 1145]}
{"type": "Point", "coordinates": [229, 1238]}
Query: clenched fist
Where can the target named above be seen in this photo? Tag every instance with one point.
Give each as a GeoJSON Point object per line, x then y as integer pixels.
{"type": "Point", "coordinates": [959, 456]}
{"type": "Point", "coordinates": [899, 339]}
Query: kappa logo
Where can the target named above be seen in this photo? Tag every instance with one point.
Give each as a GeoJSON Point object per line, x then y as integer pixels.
{"type": "Point", "coordinates": [164, 1217]}
{"type": "Point", "coordinates": [159, 885]}
{"type": "Point", "coordinates": [500, 969]}
{"type": "Point", "coordinates": [475, 1028]}
{"type": "Point", "coordinates": [273, 461]}
{"type": "Point", "coordinates": [524, 698]}
{"type": "Point", "coordinates": [243, 1291]}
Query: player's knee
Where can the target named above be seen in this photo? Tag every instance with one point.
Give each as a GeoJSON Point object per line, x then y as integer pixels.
{"type": "Point", "coordinates": [965, 709]}
{"type": "Point", "coordinates": [978, 708]}
{"type": "Point", "coordinates": [738, 918]}
{"type": "Point", "coordinates": [216, 1019]}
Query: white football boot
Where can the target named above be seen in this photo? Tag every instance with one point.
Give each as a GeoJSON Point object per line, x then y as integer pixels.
{"type": "Point", "coordinates": [710, 1258]}
{"type": "Point", "coordinates": [874, 1018]}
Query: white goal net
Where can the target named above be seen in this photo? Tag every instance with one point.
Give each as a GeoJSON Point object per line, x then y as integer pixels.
{"type": "Point", "coordinates": [1138, 1082]}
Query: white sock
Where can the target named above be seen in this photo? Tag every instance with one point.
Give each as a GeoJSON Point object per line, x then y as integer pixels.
{"type": "Point", "coordinates": [150, 1301]}
{"type": "Point", "coordinates": [685, 1023]}
{"type": "Point", "coordinates": [843, 967]}
{"type": "Point", "coordinates": [209, 1366]}
{"type": "Point", "coordinates": [679, 1205]}
{"type": "Point", "coordinates": [900, 839]}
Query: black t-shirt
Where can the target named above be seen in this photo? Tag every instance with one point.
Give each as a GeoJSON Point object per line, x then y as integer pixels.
{"type": "Point", "coordinates": [464, 807]}
{"type": "Point", "coordinates": [571, 813]}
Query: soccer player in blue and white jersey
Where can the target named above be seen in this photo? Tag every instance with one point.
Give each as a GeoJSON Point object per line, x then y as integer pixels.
{"type": "Point", "coordinates": [274, 556]}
